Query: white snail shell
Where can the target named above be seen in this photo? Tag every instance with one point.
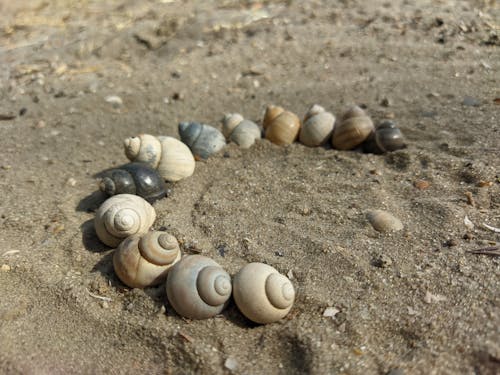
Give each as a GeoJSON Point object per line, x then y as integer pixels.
{"type": "Point", "coordinates": [121, 216]}
{"type": "Point", "coordinates": [144, 261]}
{"type": "Point", "coordinates": [262, 294]}
{"type": "Point", "coordinates": [170, 157]}
{"type": "Point", "coordinates": [242, 132]}
{"type": "Point", "coordinates": [198, 287]}
{"type": "Point", "coordinates": [317, 127]}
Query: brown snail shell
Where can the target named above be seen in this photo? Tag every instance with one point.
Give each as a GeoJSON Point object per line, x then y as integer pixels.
{"type": "Point", "coordinates": [317, 126]}
{"type": "Point", "coordinates": [144, 261]}
{"type": "Point", "coordinates": [170, 157]}
{"type": "Point", "coordinates": [387, 138]}
{"type": "Point", "coordinates": [198, 287]}
{"type": "Point", "coordinates": [262, 294]}
{"type": "Point", "coordinates": [240, 131]}
{"type": "Point", "coordinates": [353, 129]}
{"type": "Point", "coordinates": [281, 127]}
{"type": "Point", "coordinates": [121, 216]}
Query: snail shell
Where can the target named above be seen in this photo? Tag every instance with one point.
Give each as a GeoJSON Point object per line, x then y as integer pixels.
{"type": "Point", "coordinates": [202, 139]}
{"type": "Point", "coordinates": [198, 288]}
{"type": "Point", "coordinates": [134, 178]}
{"type": "Point", "coordinates": [242, 132]}
{"type": "Point", "coordinates": [144, 261]}
{"type": "Point", "coordinates": [354, 127]}
{"type": "Point", "coordinates": [387, 138]}
{"type": "Point", "coordinates": [121, 216]}
{"type": "Point", "coordinates": [383, 221]}
{"type": "Point", "coordinates": [317, 127]}
{"type": "Point", "coordinates": [262, 294]}
{"type": "Point", "coordinates": [281, 127]}
{"type": "Point", "coordinates": [170, 157]}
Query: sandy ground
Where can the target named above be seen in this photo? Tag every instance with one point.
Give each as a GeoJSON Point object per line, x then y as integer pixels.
{"type": "Point", "coordinates": [411, 302]}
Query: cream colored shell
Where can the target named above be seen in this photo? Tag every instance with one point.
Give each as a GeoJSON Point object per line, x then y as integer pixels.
{"type": "Point", "coordinates": [240, 131]}
{"type": "Point", "coordinates": [144, 261]}
{"type": "Point", "coordinates": [281, 127]}
{"type": "Point", "coordinates": [170, 157]}
{"type": "Point", "coordinates": [354, 128]}
{"type": "Point", "coordinates": [383, 221]}
{"type": "Point", "coordinates": [121, 216]}
{"type": "Point", "coordinates": [198, 288]}
{"type": "Point", "coordinates": [317, 127]}
{"type": "Point", "coordinates": [262, 294]}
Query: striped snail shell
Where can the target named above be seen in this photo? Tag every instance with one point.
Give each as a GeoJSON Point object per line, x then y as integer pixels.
{"type": "Point", "coordinates": [170, 157]}
{"type": "Point", "coordinates": [317, 127]}
{"type": "Point", "coordinates": [262, 294]}
{"type": "Point", "coordinates": [198, 288]}
{"type": "Point", "coordinates": [144, 261]}
{"type": "Point", "coordinates": [281, 127]}
{"type": "Point", "coordinates": [353, 129]}
{"type": "Point", "coordinates": [387, 138]}
{"type": "Point", "coordinates": [133, 178]}
{"type": "Point", "coordinates": [202, 139]}
{"type": "Point", "coordinates": [121, 216]}
{"type": "Point", "coordinates": [242, 132]}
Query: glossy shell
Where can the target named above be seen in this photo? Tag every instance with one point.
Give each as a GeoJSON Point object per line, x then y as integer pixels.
{"type": "Point", "coordinates": [352, 130]}
{"type": "Point", "coordinates": [144, 261]}
{"type": "Point", "coordinates": [198, 288]}
{"type": "Point", "coordinates": [170, 157]}
{"type": "Point", "coordinates": [387, 138]}
{"type": "Point", "coordinates": [262, 294]}
{"type": "Point", "coordinates": [383, 221]}
{"type": "Point", "coordinates": [202, 139]}
{"type": "Point", "coordinates": [281, 127]}
{"type": "Point", "coordinates": [121, 216]}
{"type": "Point", "coordinates": [133, 178]}
{"type": "Point", "coordinates": [317, 127]}
{"type": "Point", "coordinates": [240, 131]}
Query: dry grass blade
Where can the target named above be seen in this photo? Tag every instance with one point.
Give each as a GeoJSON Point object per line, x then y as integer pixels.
{"type": "Point", "coordinates": [492, 250]}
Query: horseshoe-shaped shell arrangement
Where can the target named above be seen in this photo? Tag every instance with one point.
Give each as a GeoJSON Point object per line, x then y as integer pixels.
{"type": "Point", "coordinates": [317, 126]}
{"type": "Point", "coordinates": [354, 128]}
{"type": "Point", "coordinates": [121, 216]}
{"type": "Point", "coordinates": [133, 178]}
{"type": "Point", "coordinates": [144, 261]}
{"type": "Point", "coordinates": [203, 140]}
{"type": "Point", "coordinates": [198, 287]}
{"type": "Point", "coordinates": [240, 131]}
{"type": "Point", "coordinates": [170, 157]}
{"type": "Point", "coordinates": [262, 294]}
{"type": "Point", "coordinates": [281, 127]}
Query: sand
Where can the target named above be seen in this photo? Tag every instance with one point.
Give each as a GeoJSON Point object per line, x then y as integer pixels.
{"type": "Point", "coordinates": [409, 302]}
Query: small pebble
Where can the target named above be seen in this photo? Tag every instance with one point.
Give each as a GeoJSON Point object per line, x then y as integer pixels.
{"type": "Point", "coordinates": [385, 102]}
{"type": "Point", "coordinates": [71, 181]}
{"type": "Point", "coordinates": [471, 101]}
{"type": "Point", "coordinates": [383, 221]}
{"type": "Point", "coordinates": [115, 100]}
{"type": "Point", "coordinates": [381, 261]}
{"type": "Point", "coordinates": [40, 124]}
{"type": "Point", "coordinates": [104, 304]}
{"type": "Point", "coordinates": [433, 298]}
{"type": "Point", "coordinates": [5, 268]}
{"type": "Point", "coordinates": [231, 364]}
{"type": "Point", "coordinates": [396, 371]}
{"type": "Point", "coordinates": [330, 312]}
{"type": "Point", "coordinates": [421, 184]}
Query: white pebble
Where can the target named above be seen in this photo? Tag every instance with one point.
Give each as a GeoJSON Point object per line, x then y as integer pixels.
{"type": "Point", "coordinates": [115, 100]}
{"type": "Point", "coordinates": [330, 312]}
{"type": "Point", "coordinates": [231, 364]}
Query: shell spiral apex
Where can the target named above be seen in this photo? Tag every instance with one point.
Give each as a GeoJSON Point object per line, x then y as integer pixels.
{"type": "Point", "coordinates": [121, 216]}
{"type": "Point", "coordinates": [144, 261]}
{"type": "Point", "coordinates": [198, 288]}
{"type": "Point", "coordinates": [262, 294]}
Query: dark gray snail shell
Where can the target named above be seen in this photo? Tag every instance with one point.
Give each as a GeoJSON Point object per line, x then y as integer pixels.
{"type": "Point", "coordinates": [202, 139]}
{"type": "Point", "coordinates": [134, 178]}
{"type": "Point", "coordinates": [386, 138]}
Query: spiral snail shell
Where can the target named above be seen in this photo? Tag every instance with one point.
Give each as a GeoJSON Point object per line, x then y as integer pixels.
{"type": "Point", "coordinates": [281, 127]}
{"type": "Point", "coordinates": [242, 132]}
{"type": "Point", "coordinates": [354, 127]}
{"type": "Point", "coordinates": [387, 138]}
{"type": "Point", "coordinates": [170, 157]}
{"type": "Point", "coordinates": [202, 139]}
{"type": "Point", "coordinates": [121, 216]}
{"type": "Point", "coordinates": [133, 178]}
{"type": "Point", "coordinates": [317, 126]}
{"type": "Point", "coordinates": [262, 294]}
{"type": "Point", "coordinates": [198, 288]}
{"type": "Point", "coordinates": [144, 261]}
